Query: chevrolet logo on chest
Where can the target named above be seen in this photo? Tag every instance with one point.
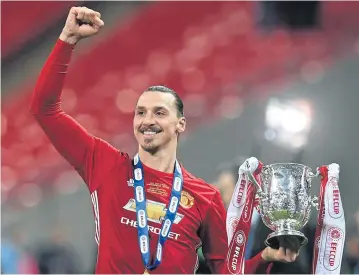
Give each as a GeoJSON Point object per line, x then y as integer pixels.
{"type": "Point", "coordinates": [156, 211]}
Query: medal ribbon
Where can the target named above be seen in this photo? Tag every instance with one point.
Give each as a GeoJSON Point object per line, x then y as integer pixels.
{"type": "Point", "coordinates": [141, 213]}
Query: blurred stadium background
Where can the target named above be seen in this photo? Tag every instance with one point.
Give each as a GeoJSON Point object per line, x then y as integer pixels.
{"type": "Point", "coordinates": [275, 80]}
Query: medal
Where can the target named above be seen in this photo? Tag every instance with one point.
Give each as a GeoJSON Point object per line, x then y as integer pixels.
{"type": "Point", "coordinates": [146, 271]}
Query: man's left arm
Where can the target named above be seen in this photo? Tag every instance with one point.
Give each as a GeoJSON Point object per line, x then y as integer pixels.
{"type": "Point", "coordinates": [215, 246]}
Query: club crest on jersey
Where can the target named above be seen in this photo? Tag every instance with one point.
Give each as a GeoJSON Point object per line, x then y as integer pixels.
{"type": "Point", "coordinates": [187, 201]}
{"type": "Point", "coordinates": [156, 211]}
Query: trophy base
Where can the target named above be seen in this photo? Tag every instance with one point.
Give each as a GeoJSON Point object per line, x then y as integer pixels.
{"type": "Point", "coordinates": [272, 240]}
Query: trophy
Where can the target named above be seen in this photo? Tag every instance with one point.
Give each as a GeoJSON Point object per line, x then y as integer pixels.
{"type": "Point", "coordinates": [284, 199]}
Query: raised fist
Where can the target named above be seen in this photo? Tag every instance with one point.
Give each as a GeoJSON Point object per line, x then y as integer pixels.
{"type": "Point", "coordinates": [81, 23]}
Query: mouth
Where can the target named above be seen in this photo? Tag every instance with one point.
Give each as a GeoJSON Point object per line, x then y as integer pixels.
{"type": "Point", "coordinates": [150, 133]}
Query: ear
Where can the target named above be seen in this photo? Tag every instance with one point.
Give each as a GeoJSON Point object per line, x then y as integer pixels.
{"type": "Point", "coordinates": [181, 125]}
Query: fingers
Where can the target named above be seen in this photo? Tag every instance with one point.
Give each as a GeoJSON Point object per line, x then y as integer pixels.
{"type": "Point", "coordinates": [98, 14]}
{"type": "Point", "coordinates": [290, 256]}
{"type": "Point", "coordinates": [87, 15]}
{"type": "Point", "coordinates": [97, 21]}
{"type": "Point", "coordinates": [281, 254]}
{"type": "Point", "coordinates": [286, 255]}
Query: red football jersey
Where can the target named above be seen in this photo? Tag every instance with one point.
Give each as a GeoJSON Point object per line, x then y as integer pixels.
{"type": "Point", "coordinates": [201, 217]}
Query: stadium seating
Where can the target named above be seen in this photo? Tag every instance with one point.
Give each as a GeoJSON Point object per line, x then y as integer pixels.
{"type": "Point", "coordinates": [212, 53]}
{"type": "Point", "coordinates": [31, 20]}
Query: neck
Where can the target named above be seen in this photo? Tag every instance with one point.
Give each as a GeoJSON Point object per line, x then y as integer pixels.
{"type": "Point", "coordinates": [162, 160]}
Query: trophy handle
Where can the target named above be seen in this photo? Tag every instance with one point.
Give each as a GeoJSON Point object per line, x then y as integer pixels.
{"type": "Point", "coordinates": [314, 202]}
{"type": "Point", "coordinates": [256, 184]}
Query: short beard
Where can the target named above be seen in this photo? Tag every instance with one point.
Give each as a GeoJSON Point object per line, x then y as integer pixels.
{"type": "Point", "coordinates": [150, 148]}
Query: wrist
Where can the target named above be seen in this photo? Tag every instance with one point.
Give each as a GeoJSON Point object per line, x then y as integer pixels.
{"type": "Point", "coordinates": [70, 39]}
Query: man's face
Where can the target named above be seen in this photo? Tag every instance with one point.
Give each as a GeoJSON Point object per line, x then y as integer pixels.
{"type": "Point", "coordinates": [156, 122]}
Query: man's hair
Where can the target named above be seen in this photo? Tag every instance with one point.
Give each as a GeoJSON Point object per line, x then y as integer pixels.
{"type": "Point", "coordinates": [228, 168]}
{"type": "Point", "coordinates": [164, 89]}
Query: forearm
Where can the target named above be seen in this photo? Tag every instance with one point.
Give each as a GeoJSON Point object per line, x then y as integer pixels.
{"type": "Point", "coordinates": [47, 94]}
{"type": "Point", "coordinates": [70, 139]}
{"type": "Point", "coordinates": [257, 265]}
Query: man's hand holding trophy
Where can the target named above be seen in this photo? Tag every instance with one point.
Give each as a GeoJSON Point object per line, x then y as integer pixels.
{"type": "Point", "coordinates": [281, 194]}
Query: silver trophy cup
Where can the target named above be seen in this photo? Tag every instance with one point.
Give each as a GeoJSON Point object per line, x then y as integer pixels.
{"type": "Point", "coordinates": [284, 199]}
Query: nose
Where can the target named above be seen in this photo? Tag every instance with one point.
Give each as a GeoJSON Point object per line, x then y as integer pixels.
{"type": "Point", "coordinates": [148, 119]}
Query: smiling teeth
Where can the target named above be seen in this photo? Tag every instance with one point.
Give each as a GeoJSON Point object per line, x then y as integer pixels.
{"type": "Point", "coordinates": [149, 133]}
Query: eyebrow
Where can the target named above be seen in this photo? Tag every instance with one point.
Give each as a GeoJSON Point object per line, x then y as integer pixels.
{"type": "Point", "coordinates": [155, 107]}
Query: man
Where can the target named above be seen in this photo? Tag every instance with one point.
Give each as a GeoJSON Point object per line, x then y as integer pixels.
{"type": "Point", "coordinates": [183, 212]}
{"type": "Point", "coordinates": [226, 182]}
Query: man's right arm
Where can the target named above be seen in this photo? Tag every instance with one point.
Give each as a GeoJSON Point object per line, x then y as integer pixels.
{"type": "Point", "coordinates": [70, 139]}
